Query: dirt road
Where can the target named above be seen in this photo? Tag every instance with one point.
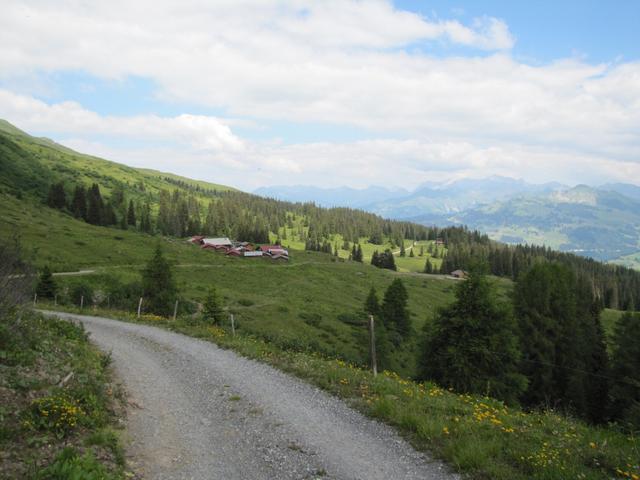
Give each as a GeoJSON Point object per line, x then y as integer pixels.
{"type": "Point", "coordinates": [201, 412]}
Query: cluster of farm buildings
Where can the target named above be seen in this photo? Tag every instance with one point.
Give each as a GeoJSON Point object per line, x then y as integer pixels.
{"type": "Point", "coordinates": [241, 249]}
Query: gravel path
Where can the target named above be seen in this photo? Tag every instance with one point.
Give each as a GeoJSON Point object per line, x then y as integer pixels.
{"type": "Point", "coordinates": [201, 412]}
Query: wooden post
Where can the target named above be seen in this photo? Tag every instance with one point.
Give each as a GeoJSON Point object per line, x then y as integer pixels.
{"type": "Point", "coordinates": [55, 299]}
{"type": "Point", "coordinates": [175, 311]}
{"type": "Point", "coordinates": [374, 363]}
{"type": "Point", "coordinates": [139, 306]}
{"type": "Point", "coordinates": [233, 326]}
{"type": "Point", "coordinates": [35, 299]}
{"type": "Point", "coordinates": [108, 302]}
{"type": "Point", "coordinates": [81, 301]}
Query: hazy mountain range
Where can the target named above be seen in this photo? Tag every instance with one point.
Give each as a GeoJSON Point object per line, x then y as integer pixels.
{"type": "Point", "coordinates": [602, 222]}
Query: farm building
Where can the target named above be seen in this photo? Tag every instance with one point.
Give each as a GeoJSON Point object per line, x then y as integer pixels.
{"type": "Point", "coordinates": [459, 274]}
{"type": "Point", "coordinates": [217, 242]}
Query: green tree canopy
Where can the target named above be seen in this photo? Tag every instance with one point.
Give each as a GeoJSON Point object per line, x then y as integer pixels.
{"type": "Point", "coordinates": [472, 344]}
{"type": "Point", "coordinates": [158, 285]}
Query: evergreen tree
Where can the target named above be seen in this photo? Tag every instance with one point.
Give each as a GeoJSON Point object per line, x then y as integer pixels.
{"type": "Point", "coordinates": [46, 287]}
{"type": "Point", "coordinates": [625, 367]}
{"type": "Point", "coordinates": [375, 259]}
{"type": "Point", "coordinates": [79, 202]}
{"type": "Point", "coordinates": [402, 250]}
{"type": "Point", "coordinates": [472, 344]}
{"type": "Point", "coordinates": [145, 218]}
{"type": "Point", "coordinates": [411, 254]}
{"type": "Point", "coordinates": [212, 309]}
{"type": "Point", "coordinates": [422, 250]}
{"type": "Point", "coordinates": [428, 268]}
{"type": "Point", "coordinates": [359, 257]}
{"type": "Point", "coordinates": [109, 215]}
{"type": "Point", "coordinates": [388, 261]}
{"type": "Point", "coordinates": [564, 354]}
{"type": "Point", "coordinates": [131, 214]}
{"type": "Point", "coordinates": [158, 285]}
{"type": "Point", "coordinates": [394, 309]}
{"type": "Point", "coordinates": [57, 197]}
{"type": "Point", "coordinates": [96, 206]}
{"type": "Point", "coordinates": [372, 304]}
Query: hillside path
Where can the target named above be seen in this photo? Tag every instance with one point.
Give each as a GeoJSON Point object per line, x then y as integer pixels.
{"type": "Point", "coordinates": [201, 412]}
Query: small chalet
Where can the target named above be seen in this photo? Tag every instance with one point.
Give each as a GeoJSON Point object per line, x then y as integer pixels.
{"type": "Point", "coordinates": [459, 274]}
{"type": "Point", "coordinates": [274, 250]}
{"type": "Point", "coordinates": [217, 243]}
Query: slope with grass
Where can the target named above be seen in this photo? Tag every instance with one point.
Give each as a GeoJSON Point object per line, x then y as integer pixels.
{"type": "Point", "coordinates": [59, 406]}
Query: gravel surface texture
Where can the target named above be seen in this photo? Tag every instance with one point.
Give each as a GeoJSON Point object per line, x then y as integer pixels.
{"type": "Point", "coordinates": [201, 412]}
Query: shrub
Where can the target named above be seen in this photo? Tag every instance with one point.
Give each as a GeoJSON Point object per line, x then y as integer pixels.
{"type": "Point", "coordinates": [69, 465]}
{"type": "Point", "coordinates": [312, 319]}
{"type": "Point", "coordinates": [79, 291]}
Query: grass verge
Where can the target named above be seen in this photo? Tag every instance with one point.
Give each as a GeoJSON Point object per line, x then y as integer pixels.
{"type": "Point", "coordinates": [476, 435]}
{"type": "Point", "coordinates": [59, 406]}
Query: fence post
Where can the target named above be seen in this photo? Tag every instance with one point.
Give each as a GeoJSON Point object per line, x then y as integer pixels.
{"type": "Point", "coordinates": [35, 299]}
{"type": "Point", "coordinates": [175, 311]}
{"type": "Point", "coordinates": [374, 363]}
{"type": "Point", "coordinates": [81, 301]}
{"type": "Point", "coordinates": [55, 299]}
{"type": "Point", "coordinates": [233, 326]}
{"type": "Point", "coordinates": [139, 306]}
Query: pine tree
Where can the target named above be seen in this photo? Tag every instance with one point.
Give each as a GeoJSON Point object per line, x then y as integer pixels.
{"type": "Point", "coordinates": [625, 367]}
{"type": "Point", "coordinates": [411, 254]}
{"type": "Point", "coordinates": [394, 309]}
{"type": "Point", "coordinates": [96, 206]}
{"type": "Point", "coordinates": [472, 344]}
{"type": "Point", "coordinates": [57, 197]}
{"type": "Point", "coordinates": [145, 218]}
{"type": "Point", "coordinates": [372, 304]}
{"type": "Point", "coordinates": [131, 214]}
{"type": "Point", "coordinates": [46, 287]}
{"type": "Point", "coordinates": [428, 268]}
{"type": "Point", "coordinates": [402, 250]}
{"type": "Point", "coordinates": [79, 202]}
{"type": "Point", "coordinates": [158, 285]}
{"type": "Point", "coordinates": [359, 257]}
{"type": "Point", "coordinates": [212, 309]}
{"type": "Point", "coordinates": [388, 261]}
{"type": "Point", "coordinates": [375, 259]}
{"type": "Point", "coordinates": [422, 250]}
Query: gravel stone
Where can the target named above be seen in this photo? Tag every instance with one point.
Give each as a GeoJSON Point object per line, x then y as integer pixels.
{"type": "Point", "coordinates": [201, 412]}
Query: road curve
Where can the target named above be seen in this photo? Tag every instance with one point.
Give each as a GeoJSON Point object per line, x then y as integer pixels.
{"type": "Point", "coordinates": [202, 412]}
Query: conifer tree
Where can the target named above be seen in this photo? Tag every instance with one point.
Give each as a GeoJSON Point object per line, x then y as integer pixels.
{"type": "Point", "coordinates": [402, 250]}
{"type": "Point", "coordinates": [625, 366]}
{"type": "Point", "coordinates": [411, 254]}
{"type": "Point", "coordinates": [428, 268]}
{"type": "Point", "coordinates": [46, 287]}
{"type": "Point", "coordinates": [212, 311]}
{"type": "Point", "coordinates": [79, 202]}
{"type": "Point", "coordinates": [158, 284]}
{"type": "Point", "coordinates": [359, 257]}
{"type": "Point", "coordinates": [472, 344]}
{"type": "Point", "coordinates": [131, 214]}
{"type": "Point", "coordinates": [394, 309]}
{"type": "Point", "coordinates": [96, 206]}
{"type": "Point", "coordinates": [57, 197]}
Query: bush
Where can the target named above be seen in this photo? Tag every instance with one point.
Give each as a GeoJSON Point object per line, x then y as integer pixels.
{"type": "Point", "coordinates": [79, 291]}
{"type": "Point", "coordinates": [58, 413]}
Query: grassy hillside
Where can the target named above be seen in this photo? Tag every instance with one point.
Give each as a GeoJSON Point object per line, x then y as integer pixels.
{"type": "Point", "coordinates": [310, 302]}
{"type": "Point", "coordinates": [29, 165]}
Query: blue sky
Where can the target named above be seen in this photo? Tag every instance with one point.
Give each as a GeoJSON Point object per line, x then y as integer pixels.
{"type": "Point", "coordinates": [333, 93]}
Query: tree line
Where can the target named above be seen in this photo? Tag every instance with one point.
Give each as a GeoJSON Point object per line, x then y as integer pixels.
{"type": "Point", "coordinates": [252, 218]}
{"type": "Point", "coordinates": [544, 347]}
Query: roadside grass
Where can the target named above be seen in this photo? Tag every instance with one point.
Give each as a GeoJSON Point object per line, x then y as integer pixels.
{"type": "Point", "coordinates": [478, 436]}
{"type": "Point", "coordinates": [59, 405]}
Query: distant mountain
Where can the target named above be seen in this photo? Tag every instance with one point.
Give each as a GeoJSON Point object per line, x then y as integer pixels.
{"type": "Point", "coordinates": [331, 197]}
{"type": "Point", "coordinates": [626, 189]}
{"type": "Point", "coordinates": [588, 221]}
{"type": "Point", "coordinates": [433, 199]}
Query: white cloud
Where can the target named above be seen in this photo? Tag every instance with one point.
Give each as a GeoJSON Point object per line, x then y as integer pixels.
{"type": "Point", "coordinates": [197, 131]}
{"type": "Point", "coordinates": [351, 63]}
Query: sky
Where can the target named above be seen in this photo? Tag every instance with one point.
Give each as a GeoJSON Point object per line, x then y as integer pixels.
{"type": "Point", "coordinates": [251, 93]}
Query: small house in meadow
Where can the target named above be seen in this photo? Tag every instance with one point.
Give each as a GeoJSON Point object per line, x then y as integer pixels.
{"type": "Point", "coordinates": [459, 274]}
{"type": "Point", "coordinates": [217, 243]}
